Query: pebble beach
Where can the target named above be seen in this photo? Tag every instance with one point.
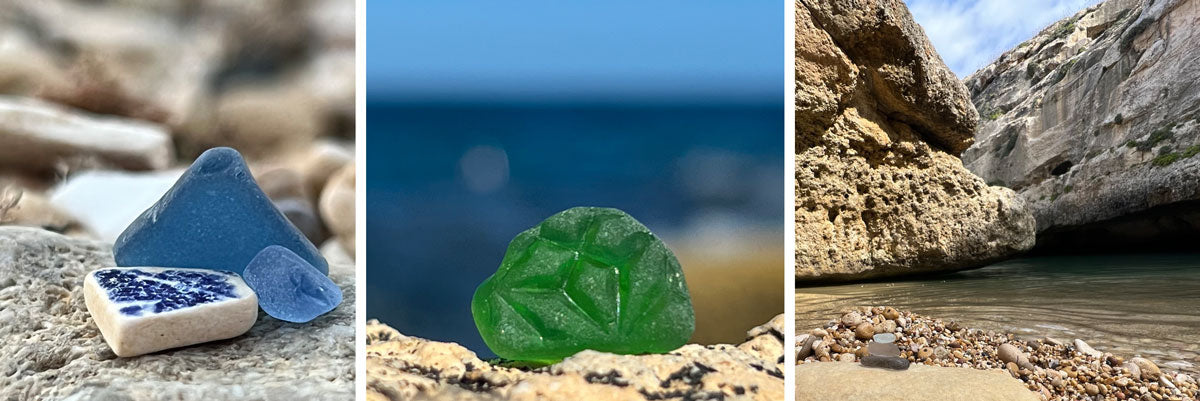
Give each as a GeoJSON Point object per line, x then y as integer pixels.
{"type": "Point", "coordinates": [1056, 369]}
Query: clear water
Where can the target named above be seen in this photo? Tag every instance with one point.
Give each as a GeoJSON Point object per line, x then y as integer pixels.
{"type": "Point", "coordinates": [1128, 305]}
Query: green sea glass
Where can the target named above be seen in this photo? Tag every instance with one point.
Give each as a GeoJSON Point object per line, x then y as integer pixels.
{"type": "Point", "coordinates": [585, 278]}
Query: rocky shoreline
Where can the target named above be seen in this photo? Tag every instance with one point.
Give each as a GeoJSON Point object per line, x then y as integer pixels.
{"type": "Point", "coordinates": [1052, 368]}
{"type": "Point", "coordinates": [53, 349]}
{"type": "Point", "coordinates": [400, 367]}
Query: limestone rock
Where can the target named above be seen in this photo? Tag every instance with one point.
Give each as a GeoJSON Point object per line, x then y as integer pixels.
{"type": "Point", "coordinates": [401, 368]}
{"type": "Point", "coordinates": [52, 350]}
{"type": "Point", "coordinates": [880, 121]}
{"type": "Point", "coordinates": [1090, 122]}
{"type": "Point", "coordinates": [849, 381]}
{"type": "Point", "coordinates": [36, 135]}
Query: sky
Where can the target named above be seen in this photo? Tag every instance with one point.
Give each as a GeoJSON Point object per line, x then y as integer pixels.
{"type": "Point", "coordinates": [970, 34]}
{"type": "Point", "coordinates": [579, 48]}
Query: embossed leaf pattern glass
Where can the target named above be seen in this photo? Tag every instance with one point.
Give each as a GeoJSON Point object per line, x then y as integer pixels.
{"type": "Point", "coordinates": [585, 278]}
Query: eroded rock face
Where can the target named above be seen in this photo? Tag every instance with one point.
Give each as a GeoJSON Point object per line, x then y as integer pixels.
{"type": "Point", "coordinates": [51, 349]}
{"type": "Point", "coordinates": [402, 368]}
{"type": "Point", "coordinates": [1094, 122]}
{"type": "Point", "coordinates": [880, 121]}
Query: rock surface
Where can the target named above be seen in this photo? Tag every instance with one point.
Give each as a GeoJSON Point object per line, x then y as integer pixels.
{"type": "Point", "coordinates": [50, 348]}
{"type": "Point", "coordinates": [1094, 122]}
{"type": "Point", "coordinates": [851, 381]}
{"type": "Point", "coordinates": [880, 121]}
{"type": "Point", "coordinates": [402, 368]}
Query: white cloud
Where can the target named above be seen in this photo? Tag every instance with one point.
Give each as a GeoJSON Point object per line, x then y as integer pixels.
{"type": "Point", "coordinates": [969, 34]}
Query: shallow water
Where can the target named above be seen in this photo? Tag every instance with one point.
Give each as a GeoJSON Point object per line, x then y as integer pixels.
{"type": "Point", "coordinates": [1128, 305]}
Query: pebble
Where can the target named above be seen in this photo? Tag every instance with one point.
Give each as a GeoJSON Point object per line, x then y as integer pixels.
{"type": "Point", "coordinates": [214, 217]}
{"type": "Point", "coordinates": [864, 331]}
{"type": "Point", "coordinates": [1055, 369]}
{"type": "Point", "coordinates": [137, 314]}
{"type": "Point", "coordinates": [885, 362]}
{"type": "Point", "coordinates": [37, 135]}
{"type": "Point", "coordinates": [1149, 371]}
{"type": "Point", "coordinates": [1086, 349]}
{"type": "Point", "coordinates": [337, 207]}
{"type": "Point", "coordinates": [289, 288]}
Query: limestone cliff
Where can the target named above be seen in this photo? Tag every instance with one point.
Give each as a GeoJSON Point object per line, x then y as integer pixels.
{"type": "Point", "coordinates": [880, 121]}
{"type": "Point", "coordinates": [1094, 122]}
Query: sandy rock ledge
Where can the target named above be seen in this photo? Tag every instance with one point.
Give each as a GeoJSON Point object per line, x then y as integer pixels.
{"type": "Point", "coordinates": [50, 349]}
{"type": "Point", "coordinates": [402, 368]}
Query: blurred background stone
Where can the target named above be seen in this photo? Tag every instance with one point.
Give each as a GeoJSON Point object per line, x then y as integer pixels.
{"type": "Point", "coordinates": [92, 92]}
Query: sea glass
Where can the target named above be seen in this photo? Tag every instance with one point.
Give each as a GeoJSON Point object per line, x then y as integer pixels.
{"type": "Point", "coordinates": [289, 288]}
{"type": "Point", "coordinates": [585, 278]}
{"type": "Point", "coordinates": [146, 309]}
{"type": "Point", "coordinates": [214, 217]}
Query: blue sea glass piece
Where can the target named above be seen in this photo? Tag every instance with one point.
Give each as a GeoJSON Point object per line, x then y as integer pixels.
{"type": "Point", "coordinates": [289, 288]}
{"type": "Point", "coordinates": [214, 217]}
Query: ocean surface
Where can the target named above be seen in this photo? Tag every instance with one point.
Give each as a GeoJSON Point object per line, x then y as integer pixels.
{"type": "Point", "coordinates": [449, 185]}
{"type": "Point", "coordinates": [1129, 304]}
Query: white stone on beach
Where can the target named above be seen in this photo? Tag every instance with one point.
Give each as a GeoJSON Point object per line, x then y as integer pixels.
{"type": "Point", "coordinates": [140, 310]}
{"type": "Point", "coordinates": [1083, 348]}
{"type": "Point", "coordinates": [39, 135]}
{"type": "Point", "coordinates": [106, 202]}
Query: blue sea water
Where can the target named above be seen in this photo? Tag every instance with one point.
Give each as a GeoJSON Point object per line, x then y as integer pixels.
{"type": "Point", "coordinates": [448, 185]}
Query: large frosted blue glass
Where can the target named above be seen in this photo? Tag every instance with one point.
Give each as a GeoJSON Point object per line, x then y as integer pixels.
{"type": "Point", "coordinates": [289, 288]}
{"type": "Point", "coordinates": [215, 217]}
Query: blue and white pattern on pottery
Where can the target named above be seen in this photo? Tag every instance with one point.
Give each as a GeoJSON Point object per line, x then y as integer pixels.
{"type": "Point", "coordinates": [146, 309]}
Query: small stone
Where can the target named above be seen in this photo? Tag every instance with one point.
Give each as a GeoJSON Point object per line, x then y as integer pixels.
{"type": "Point", "coordinates": [1085, 349]}
{"type": "Point", "coordinates": [804, 346]}
{"type": "Point", "coordinates": [1013, 369]}
{"type": "Point", "coordinates": [1149, 371]}
{"type": "Point", "coordinates": [891, 313]}
{"type": "Point", "coordinates": [1091, 389]}
{"type": "Point", "coordinates": [885, 362]}
{"type": "Point", "coordinates": [864, 331]}
{"type": "Point", "coordinates": [924, 353]}
{"type": "Point", "coordinates": [886, 338]}
{"type": "Point", "coordinates": [215, 217]}
{"type": "Point", "coordinates": [585, 278]}
{"type": "Point", "coordinates": [845, 358]}
{"type": "Point", "coordinates": [289, 288]}
{"type": "Point", "coordinates": [1009, 353]}
{"type": "Point", "coordinates": [141, 310]}
{"type": "Point", "coordinates": [337, 207]}
{"type": "Point", "coordinates": [37, 135]}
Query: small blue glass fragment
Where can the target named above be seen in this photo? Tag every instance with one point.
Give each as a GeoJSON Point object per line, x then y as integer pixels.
{"type": "Point", "coordinates": [214, 217]}
{"type": "Point", "coordinates": [289, 288]}
{"type": "Point", "coordinates": [164, 291]}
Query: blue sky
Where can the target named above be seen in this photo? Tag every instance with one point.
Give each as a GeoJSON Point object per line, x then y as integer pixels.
{"type": "Point", "coordinates": [580, 48]}
{"type": "Point", "coordinates": [969, 34]}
